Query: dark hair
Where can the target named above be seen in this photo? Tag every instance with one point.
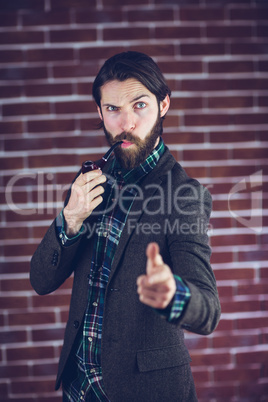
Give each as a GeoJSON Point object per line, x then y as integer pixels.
{"type": "Point", "coordinates": [130, 64]}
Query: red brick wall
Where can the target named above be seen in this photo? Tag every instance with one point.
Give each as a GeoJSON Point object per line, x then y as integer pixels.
{"type": "Point", "coordinates": [215, 57]}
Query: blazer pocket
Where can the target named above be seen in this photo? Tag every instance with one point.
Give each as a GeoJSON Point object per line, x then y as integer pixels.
{"type": "Point", "coordinates": [156, 359]}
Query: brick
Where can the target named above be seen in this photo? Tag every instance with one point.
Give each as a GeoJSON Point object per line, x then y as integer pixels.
{"type": "Point", "coordinates": [45, 369]}
{"type": "Point", "coordinates": [25, 249]}
{"type": "Point", "coordinates": [11, 163]}
{"type": "Point", "coordinates": [48, 334]}
{"type": "Point", "coordinates": [82, 141]}
{"type": "Point", "coordinates": [54, 300]}
{"type": "Point", "coordinates": [231, 66]}
{"type": "Point", "coordinates": [40, 386]}
{"type": "Point", "coordinates": [13, 302]}
{"type": "Point", "coordinates": [75, 107]}
{"type": "Point", "coordinates": [254, 322]}
{"type": "Point", "coordinates": [237, 374]}
{"type": "Point", "coordinates": [23, 73]}
{"type": "Point", "coordinates": [10, 91]}
{"type": "Point", "coordinates": [46, 18]}
{"type": "Point", "coordinates": [57, 125]}
{"type": "Point", "coordinates": [181, 67]}
{"type": "Point", "coordinates": [206, 119]}
{"type": "Point", "coordinates": [28, 144]}
{"type": "Point", "coordinates": [73, 35]}
{"type": "Point", "coordinates": [13, 337]}
{"type": "Point", "coordinates": [230, 340]}
{"type": "Point", "coordinates": [211, 154]}
{"type": "Point", "coordinates": [90, 125]}
{"type": "Point", "coordinates": [22, 37]}
{"type": "Point", "coordinates": [236, 306]}
{"type": "Point", "coordinates": [219, 258]}
{"type": "Point", "coordinates": [234, 274]}
{"type": "Point", "coordinates": [75, 70]}
{"type": "Point", "coordinates": [253, 153]}
{"type": "Point", "coordinates": [222, 392]}
{"type": "Point", "coordinates": [11, 56]}
{"type": "Point", "coordinates": [110, 3]}
{"type": "Point", "coordinates": [251, 13]}
{"type": "Point", "coordinates": [250, 357]}
{"type": "Point", "coordinates": [154, 50]}
{"type": "Point", "coordinates": [21, 109]}
{"type": "Point", "coordinates": [13, 233]}
{"type": "Point", "coordinates": [248, 48]}
{"type": "Point", "coordinates": [106, 15]}
{"type": "Point", "coordinates": [260, 255]}
{"type": "Point", "coordinates": [178, 32]}
{"type": "Point", "coordinates": [262, 31]}
{"type": "Point", "coordinates": [10, 285]}
{"type": "Point", "coordinates": [208, 359]}
{"type": "Point", "coordinates": [12, 371]}
{"type": "Point", "coordinates": [191, 49]}
{"type": "Point", "coordinates": [59, 4]}
{"type": "Point", "coordinates": [254, 391]}
{"type": "Point", "coordinates": [47, 55]}
{"type": "Point", "coordinates": [30, 319]}
{"type": "Point", "coordinates": [11, 127]}
{"type": "Point", "coordinates": [14, 268]}
{"type": "Point", "coordinates": [8, 19]}
{"type": "Point", "coordinates": [264, 273]}
{"type": "Point", "coordinates": [229, 102]}
{"type": "Point", "coordinates": [183, 137]}
{"type": "Point", "coordinates": [183, 103]}
{"type": "Point", "coordinates": [159, 14]}
{"type": "Point", "coordinates": [126, 33]}
{"type": "Point", "coordinates": [231, 136]}
{"type": "Point", "coordinates": [48, 89]}
{"type": "Point", "coordinates": [92, 53]}
{"type": "Point", "coordinates": [201, 13]}
{"type": "Point", "coordinates": [233, 240]}
{"type": "Point", "coordinates": [227, 31]}
{"type": "Point", "coordinates": [22, 4]}
{"type": "Point", "coordinates": [51, 160]}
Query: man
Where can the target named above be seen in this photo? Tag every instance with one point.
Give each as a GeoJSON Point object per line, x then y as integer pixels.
{"type": "Point", "coordinates": [135, 237]}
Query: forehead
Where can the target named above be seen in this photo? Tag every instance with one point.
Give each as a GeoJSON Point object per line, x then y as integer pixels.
{"type": "Point", "coordinates": [122, 92]}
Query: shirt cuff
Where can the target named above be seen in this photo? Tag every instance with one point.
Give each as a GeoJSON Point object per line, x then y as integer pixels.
{"type": "Point", "coordinates": [181, 298]}
{"type": "Point", "coordinates": [179, 302]}
{"type": "Point", "coordinates": [60, 228]}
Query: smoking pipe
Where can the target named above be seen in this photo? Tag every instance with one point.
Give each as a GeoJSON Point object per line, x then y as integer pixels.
{"type": "Point", "coordinates": [87, 166]}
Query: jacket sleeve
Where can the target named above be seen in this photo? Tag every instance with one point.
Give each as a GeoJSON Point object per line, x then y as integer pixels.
{"type": "Point", "coordinates": [52, 263]}
{"type": "Point", "coordinates": [190, 258]}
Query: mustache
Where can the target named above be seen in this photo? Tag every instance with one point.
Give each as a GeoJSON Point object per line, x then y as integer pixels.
{"type": "Point", "coordinates": [128, 137]}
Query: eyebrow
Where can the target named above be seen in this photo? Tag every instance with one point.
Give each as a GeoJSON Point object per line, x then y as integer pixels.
{"type": "Point", "coordinates": [133, 100]}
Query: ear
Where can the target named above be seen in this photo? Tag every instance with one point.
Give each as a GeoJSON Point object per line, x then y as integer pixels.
{"type": "Point", "coordinates": [164, 106]}
{"type": "Point", "coordinates": [99, 111]}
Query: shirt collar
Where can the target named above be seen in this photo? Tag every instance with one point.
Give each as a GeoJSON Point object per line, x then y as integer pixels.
{"type": "Point", "coordinates": [134, 175]}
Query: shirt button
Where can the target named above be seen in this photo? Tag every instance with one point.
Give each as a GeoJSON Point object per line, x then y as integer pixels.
{"type": "Point", "coordinates": [92, 371]}
{"type": "Point", "coordinates": [82, 392]}
{"type": "Point", "coordinates": [90, 339]}
{"type": "Point", "coordinates": [104, 234]}
{"type": "Point", "coordinates": [95, 304]}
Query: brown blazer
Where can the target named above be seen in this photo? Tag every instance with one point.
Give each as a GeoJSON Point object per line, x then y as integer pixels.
{"type": "Point", "coordinates": [144, 357]}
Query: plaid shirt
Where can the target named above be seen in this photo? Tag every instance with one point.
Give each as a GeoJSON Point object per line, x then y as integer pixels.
{"type": "Point", "coordinates": [87, 356]}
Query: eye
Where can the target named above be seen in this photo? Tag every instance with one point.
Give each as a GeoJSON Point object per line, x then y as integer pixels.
{"type": "Point", "coordinates": [111, 108]}
{"type": "Point", "coordinates": [140, 105]}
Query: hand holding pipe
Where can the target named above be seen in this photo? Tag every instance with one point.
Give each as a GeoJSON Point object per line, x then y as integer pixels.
{"type": "Point", "coordinates": [87, 166]}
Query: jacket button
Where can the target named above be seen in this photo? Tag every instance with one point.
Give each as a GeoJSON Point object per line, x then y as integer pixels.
{"type": "Point", "coordinates": [76, 324]}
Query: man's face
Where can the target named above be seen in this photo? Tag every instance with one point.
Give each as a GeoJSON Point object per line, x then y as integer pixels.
{"type": "Point", "coordinates": [130, 112]}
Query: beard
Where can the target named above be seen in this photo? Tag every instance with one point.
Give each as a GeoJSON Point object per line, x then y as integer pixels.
{"type": "Point", "coordinates": [132, 158]}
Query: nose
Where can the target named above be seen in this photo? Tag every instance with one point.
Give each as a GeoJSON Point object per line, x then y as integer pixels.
{"type": "Point", "coordinates": [127, 122]}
